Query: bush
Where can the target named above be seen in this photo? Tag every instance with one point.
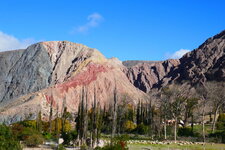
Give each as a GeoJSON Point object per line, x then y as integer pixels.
{"type": "Point", "coordinates": [29, 123]}
{"type": "Point", "coordinates": [185, 131]}
{"type": "Point", "coordinates": [169, 130]}
{"type": "Point", "coordinates": [129, 126]}
{"type": "Point", "coordinates": [69, 136]}
{"type": "Point", "coordinates": [120, 145]}
{"type": "Point", "coordinates": [30, 136]}
{"type": "Point", "coordinates": [61, 147]}
{"type": "Point", "coordinates": [10, 145]}
{"type": "Point", "coordinates": [219, 135]}
{"type": "Point", "coordinates": [7, 139]}
{"type": "Point", "coordinates": [141, 129]}
{"type": "Point", "coordinates": [47, 136]}
{"type": "Point", "coordinates": [34, 140]}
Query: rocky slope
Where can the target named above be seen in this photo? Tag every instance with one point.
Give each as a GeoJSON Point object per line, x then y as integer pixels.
{"type": "Point", "coordinates": [55, 72]}
{"type": "Point", "coordinates": [205, 63]}
{"type": "Point", "coordinates": [145, 75]}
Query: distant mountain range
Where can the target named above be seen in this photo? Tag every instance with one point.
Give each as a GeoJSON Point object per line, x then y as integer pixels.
{"type": "Point", "coordinates": [55, 73]}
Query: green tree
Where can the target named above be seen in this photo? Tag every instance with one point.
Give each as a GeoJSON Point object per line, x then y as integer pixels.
{"type": "Point", "coordinates": [39, 122]}
{"type": "Point", "coordinates": [115, 107]}
{"type": "Point", "coordinates": [8, 140]}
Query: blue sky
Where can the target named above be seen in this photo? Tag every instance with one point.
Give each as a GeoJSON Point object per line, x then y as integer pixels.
{"type": "Point", "coordinates": [127, 29]}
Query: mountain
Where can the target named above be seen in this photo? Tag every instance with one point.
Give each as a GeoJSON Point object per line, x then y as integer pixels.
{"type": "Point", "coordinates": [145, 75]}
{"type": "Point", "coordinates": [54, 73]}
{"type": "Point", "coordinates": [206, 63]}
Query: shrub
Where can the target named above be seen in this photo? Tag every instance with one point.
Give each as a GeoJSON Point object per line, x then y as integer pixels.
{"type": "Point", "coordinates": [141, 129]}
{"type": "Point", "coordinates": [10, 145]}
{"type": "Point", "coordinates": [69, 136]}
{"type": "Point", "coordinates": [119, 143]}
{"type": "Point", "coordinates": [29, 123]}
{"type": "Point", "coordinates": [7, 139]}
{"type": "Point", "coordinates": [129, 126]}
{"type": "Point", "coordinates": [61, 147]}
{"type": "Point", "coordinates": [169, 130]}
{"type": "Point", "coordinates": [219, 135]}
{"type": "Point", "coordinates": [47, 136]}
{"type": "Point", "coordinates": [34, 140]}
{"type": "Point", "coordinates": [30, 137]}
{"type": "Point", "coordinates": [185, 131]}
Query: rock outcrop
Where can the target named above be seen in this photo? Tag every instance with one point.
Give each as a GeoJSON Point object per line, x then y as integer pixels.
{"type": "Point", "coordinates": [54, 73]}
{"type": "Point", "coordinates": [206, 63]}
{"type": "Point", "coordinates": [145, 75]}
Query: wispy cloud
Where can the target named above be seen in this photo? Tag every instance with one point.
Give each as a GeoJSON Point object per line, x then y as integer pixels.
{"type": "Point", "coordinates": [178, 54]}
{"type": "Point", "coordinates": [93, 20]}
{"type": "Point", "coordinates": [9, 42]}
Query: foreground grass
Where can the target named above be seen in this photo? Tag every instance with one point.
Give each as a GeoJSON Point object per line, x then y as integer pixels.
{"type": "Point", "coordinates": [176, 147]}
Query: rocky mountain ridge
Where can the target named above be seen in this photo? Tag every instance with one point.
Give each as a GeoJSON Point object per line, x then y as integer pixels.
{"type": "Point", "coordinates": [55, 73]}
{"type": "Point", "coordinates": [205, 63]}
{"type": "Point", "coordinates": [145, 75]}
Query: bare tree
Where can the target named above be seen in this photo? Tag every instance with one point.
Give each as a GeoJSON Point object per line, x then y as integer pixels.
{"type": "Point", "coordinates": [212, 93]}
{"type": "Point", "coordinates": [190, 106]}
{"type": "Point", "coordinates": [203, 94]}
{"type": "Point", "coordinates": [164, 107]}
{"type": "Point", "coordinates": [176, 102]}
{"type": "Point", "coordinates": [217, 96]}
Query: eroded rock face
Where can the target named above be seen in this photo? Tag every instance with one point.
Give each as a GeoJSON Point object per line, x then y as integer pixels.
{"type": "Point", "coordinates": [27, 71]}
{"type": "Point", "coordinates": [55, 72]}
{"type": "Point", "coordinates": [145, 75]}
{"type": "Point", "coordinates": [203, 64]}
{"type": "Point", "coordinates": [206, 63]}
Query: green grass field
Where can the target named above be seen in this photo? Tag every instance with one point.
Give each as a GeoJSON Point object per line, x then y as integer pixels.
{"type": "Point", "coordinates": [176, 147]}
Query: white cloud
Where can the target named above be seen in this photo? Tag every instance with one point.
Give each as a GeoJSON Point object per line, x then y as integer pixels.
{"type": "Point", "coordinates": [178, 54]}
{"type": "Point", "coordinates": [93, 20]}
{"type": "Point", "coordinates": [9, 42]}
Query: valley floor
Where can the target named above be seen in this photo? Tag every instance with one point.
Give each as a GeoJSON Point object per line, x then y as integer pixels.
{"type": "Point", "coordinates": [208, 146]}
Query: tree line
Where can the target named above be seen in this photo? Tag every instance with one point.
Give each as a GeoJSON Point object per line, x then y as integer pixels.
{"type": "Point", "coordinates": [170, 113]}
